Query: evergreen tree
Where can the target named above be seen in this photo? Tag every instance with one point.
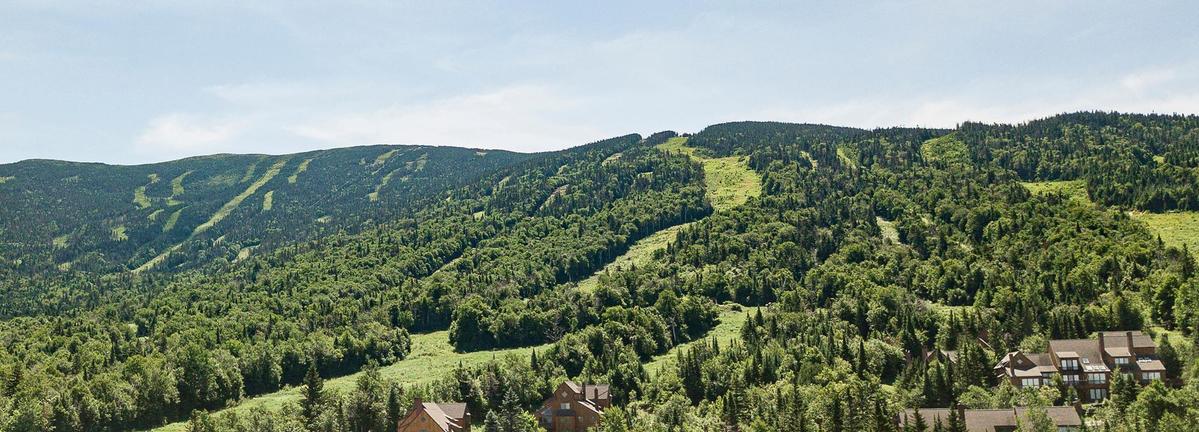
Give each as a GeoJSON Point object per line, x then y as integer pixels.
{"type": "Point", "coordinates": [312, 403]}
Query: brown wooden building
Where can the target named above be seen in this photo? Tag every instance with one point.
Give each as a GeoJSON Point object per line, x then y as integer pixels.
{"type": "Point", "coordinates": [574, 407]}
{"type": "Point", "coordinates": [436, 417]}
{"type": "Point", "coordinates": [1085, 364]}
{"type": "Point", "coordinates": [993, 420]}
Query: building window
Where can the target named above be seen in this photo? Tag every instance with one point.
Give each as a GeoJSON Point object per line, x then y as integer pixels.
{"type": "Point", "coordinates": [1070, 379]}
{"type": "Point", "coordinates": [1069, 364]}
{"type": "Point", "coordinates": [1149, 376]}
{"type": "Point", "coordinates": [1098, 394]}
{"type": "Point", "coordinates": [1097, 378]}
{"type": "Point", "coordinates": [564, 406]}
{"type": "Point", "coordinates": [1030, 382]}
{"type": "Point", "coordinates": [1121, 361]}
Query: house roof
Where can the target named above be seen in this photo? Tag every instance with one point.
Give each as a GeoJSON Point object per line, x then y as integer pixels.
{"type": "Point", "coordinates": [1085, 350]}
{"type": "Point", "coordinates": [1118, 351]}
{"type": "Point", "coordinates": [1151, 365]}
{"type": "Point", "coordinates": [447, 416]}
{"type": "Point", "coordinates": [1061, 416]}
{"type": "Point", "coordinates": [594, 391]}
{"type": "Point", "coordinates": [1120, 339]}
{"type": "Point", "coordinates": [980, 420]}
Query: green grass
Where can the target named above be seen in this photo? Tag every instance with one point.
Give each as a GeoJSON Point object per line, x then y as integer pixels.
{"type": "Point", "coordinates": [1175, 228]}
{"type": "Point", "coordinates": [237, 200]}
{"type": "Point", "coordinates": [638, 254]}
{"type": "Point", "coordinates": [61, 241]}
{"type": "Point", "coordinates": [154, 216]}
{"type": "Point", "coordinates": [1075, 189]}
{"type": "Point", "coordinates": [382, 159]}
{"type": "Point", "coordinates": [888, 229]}
{"type": "Point", "coordinates": [118, 234]}
{"type": "Point", "coordinates": [728, 330]}
{"type": "Point", "coordinates": [268, 201]}
{"type": "Point", "coordinates": [299, 170]}
{"type": "Point", "coordinates": [177, 188]}
{"type": "Point", "coordinates": [172, 220]}
{"type": "Point", "coordinates": [374, 196]}
{"type": "Point", "coordinates": [140, 198]}
{"type": "Point", "coordinates": [4, 180]}
{"type": "Point", "coordinates": [432, 358]}
{"type": "Point", "coordinates": [945, 148]}
{"type": "Point", "coordinates": [249, 173]}
{"type": "Point", "coordinates": [848, 155]}
{"type": "Point", "coordinates": [730, 181]}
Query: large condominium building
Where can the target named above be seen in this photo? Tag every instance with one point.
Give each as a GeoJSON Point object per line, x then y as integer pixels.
{"type": "Point", "coordinates": [1086, 364]}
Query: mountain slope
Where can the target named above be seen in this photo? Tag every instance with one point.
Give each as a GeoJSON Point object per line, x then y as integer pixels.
{"type": "Point", "coordinates": [102, 218]}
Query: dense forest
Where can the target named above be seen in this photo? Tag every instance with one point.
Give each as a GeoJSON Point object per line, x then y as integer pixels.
{"type": "Point", "coordinates": [864, 251]}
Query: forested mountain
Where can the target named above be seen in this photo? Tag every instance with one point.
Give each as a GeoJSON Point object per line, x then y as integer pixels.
{"type": "Point", "coordinates": [105, 219]}
{"type": "Point", "coordinates": [865, 251]}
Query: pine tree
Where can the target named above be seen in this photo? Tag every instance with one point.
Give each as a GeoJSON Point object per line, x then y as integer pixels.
{"type": "Point", "coordinates": [313, 393]}
{"type": "Point", "coordinates": [395, 409]}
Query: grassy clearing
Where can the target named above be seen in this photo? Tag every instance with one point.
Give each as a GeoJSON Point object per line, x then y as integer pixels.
{"type": "Point", "coordinates": [382, 159]}
{"type": "Point", "coordinates": [888, 229]}
{"type": "Point", "coordinates": [638, 254]}
{"type": "Point", "coordinates": [432, 358]}
{"type": "Point", "coordinates": [730, 181]}
{"type": "Point", "coordinates": [249, 173]}
{"type": "Point", "coordinates": [374, 196]}
{"type": "Point", "coordinates": [728, 330]}
{"type": "Point", "coordinates": [172, 220]}
{"type": "Point", "coordinates": [418, 164]}
{"type": "Point", "coordinates": [848, 155]}
{"type": "Point", "coordinates": [61, 241]}
{"type": "Point", "coordinates": [118, 234]}
{"type": "Point", "coordinates": [140, 198]}
{"type": "Point", "coordinates": [1176, 229]}
{"type": "Point", "coordinates": [268, 201]}
{"type": "Point", "coordinates": [177, 188]}
{"type": "Point", "coordinates": [945, 148]}
{"type": "Point", "coordinates": [4, 180]}
{"type": "Point", "coordinates": [1075, 189]}
{"type": "Point", "coordinates": [295, 176]}
{"type": "Point", "coordinates": [154, 216]}
{"type": "Point", "coordinates": [237, 200]}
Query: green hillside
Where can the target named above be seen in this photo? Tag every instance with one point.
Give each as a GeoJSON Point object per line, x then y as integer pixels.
{"type": "Point", "coordinates": [77, 206]}
{"type": "Point", "coordinates": [748, 276]}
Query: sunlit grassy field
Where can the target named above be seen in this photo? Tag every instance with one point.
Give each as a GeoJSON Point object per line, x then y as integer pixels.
{"type": "Point", "coordinates": [640, 253]}
{"type": "Point", "coordinates": [1175, 228]}
{"type": "Point", "coordinates": [1074, 189]}
{"type": "Point", "coordinates": [728, 330]}
{"type": "Point", "coordinates": [432, 358]}
{"type": "Point", "coordinates": [730, 181]}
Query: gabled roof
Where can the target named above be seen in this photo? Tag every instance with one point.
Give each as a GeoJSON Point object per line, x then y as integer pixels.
{"type": "Point", "coordinates": [447, 416]}
{"type": "Point", "coordinates": [1151, 365]}
{"type": "Point", "coordinates": [1120, 339]}
{"type": "Point", "coordinates": [594, 391]}
{"type": "Point", "coordinates": [979, 420]}
{"type": "Point", "coordinates": [1085, 350]}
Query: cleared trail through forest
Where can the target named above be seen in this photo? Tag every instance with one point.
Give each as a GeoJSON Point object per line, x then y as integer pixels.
{"type": "Point", "coordinates": [729, 181]}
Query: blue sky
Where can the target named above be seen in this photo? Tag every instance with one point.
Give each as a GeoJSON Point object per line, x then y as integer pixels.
{"type": "Point", "coordinates": [144, 81]}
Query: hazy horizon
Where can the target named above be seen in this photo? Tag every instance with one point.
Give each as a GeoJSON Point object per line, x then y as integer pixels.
{"type": "Point", "coordinates": [123, 83]}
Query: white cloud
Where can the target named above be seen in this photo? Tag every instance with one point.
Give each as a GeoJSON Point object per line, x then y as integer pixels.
{"type": "Point", "coordinates": [1145, 79]}
{"type": "Point", "coordinates": [521, 118]}
{"type": "Point", "coordinates": [188, 134]}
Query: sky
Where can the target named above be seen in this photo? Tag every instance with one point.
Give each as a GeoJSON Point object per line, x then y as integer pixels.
{"type": "Point", "coordinates": [131, 82]}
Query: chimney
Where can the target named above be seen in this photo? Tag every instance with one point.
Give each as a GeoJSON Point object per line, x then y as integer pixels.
{"type": "Point", "coordinates": [416, 404]}
{"type": "Point", "coordinates": [1102, 349]}
{"type": "Point", "coordinates": [961, 413]}
{"type": "Point", "coordinates": [1128, 335]}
